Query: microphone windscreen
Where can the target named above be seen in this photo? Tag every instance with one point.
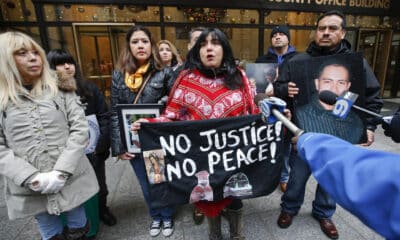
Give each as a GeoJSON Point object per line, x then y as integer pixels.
{"type": "Point", "coordinates": [327, 97]}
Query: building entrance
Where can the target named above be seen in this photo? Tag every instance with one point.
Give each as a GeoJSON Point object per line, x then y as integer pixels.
{"type": "Point", "coordinates": [375, 46]}
{"type": "Point", "coordinates": [98, 47]}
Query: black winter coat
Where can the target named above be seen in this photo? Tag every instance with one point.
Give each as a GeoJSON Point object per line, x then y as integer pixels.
{"type": "Point", "coordinates": [97, 105]}
{"type": "Point", "coordinates": [157, 87]}
{"type": "Point", "coordinates": [373, 101]}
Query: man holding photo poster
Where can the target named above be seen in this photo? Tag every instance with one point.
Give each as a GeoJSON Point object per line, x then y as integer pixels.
{"type": "Point", "coordinates": [279, 52]}
{"type": "Point", "coordinates": [328, 41]}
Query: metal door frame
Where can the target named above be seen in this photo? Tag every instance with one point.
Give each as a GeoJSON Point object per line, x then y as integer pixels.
{"type": "Point", "coordinates": [385, 51]}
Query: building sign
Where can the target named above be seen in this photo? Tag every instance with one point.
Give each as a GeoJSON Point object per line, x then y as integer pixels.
{"type": "Point", "coordinates": [363, 7]}
{"type": "Point", "coordinates": [367, 7]}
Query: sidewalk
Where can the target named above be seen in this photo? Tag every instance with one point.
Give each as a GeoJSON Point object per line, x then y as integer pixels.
{"type": "Point", "coordinates": [260, 214]}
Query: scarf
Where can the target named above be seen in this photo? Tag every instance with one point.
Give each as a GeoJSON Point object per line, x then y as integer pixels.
{"type": "Point", "coordinates": [134, 81]}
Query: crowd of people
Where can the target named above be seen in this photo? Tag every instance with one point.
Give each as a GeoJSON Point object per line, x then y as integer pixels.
{"type": "Point", "coordinates": [45, 103]}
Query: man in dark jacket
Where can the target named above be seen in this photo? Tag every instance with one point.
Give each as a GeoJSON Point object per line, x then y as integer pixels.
{"type": "Point", "coordinates": [279, 52]}
{"type": "Point", "coordinates": [280, 49]}
{"type": "Point", "coordinates": [328, 40]}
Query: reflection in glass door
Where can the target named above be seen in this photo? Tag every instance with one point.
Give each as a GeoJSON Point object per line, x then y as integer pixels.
{"type": "Point", "coordinates": [96, 63]}
{"type": "Point", "coordinates": [98, 47]}
{"type": "Point", "coordinates": [375, 46]}
{"type": "Point", "coordinates": [392, 84]}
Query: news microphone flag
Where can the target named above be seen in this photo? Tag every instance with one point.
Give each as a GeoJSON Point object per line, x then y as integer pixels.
{"type": "Point", "coordinates": [343, 104]}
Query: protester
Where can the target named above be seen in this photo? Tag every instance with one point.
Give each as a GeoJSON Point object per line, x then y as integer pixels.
{"type": "Point", "coordinates": [279, 52]}
{"type": "Point", "coordinates": [218, 89]}
{"type": "Point", "coordinates": [139, 79]}
{"type": "Point", "coordinates": [169, 54]}
{"type": "Point", "coordinates": [95, 104]}
{"type": "Point", "coordinates": [280, 49]}
{"type": "Point", "coordinates": [43, 133]}
{"type": "Point", "coordinates": [193, 36]}
{"type": "Point", "coordinates": [328, 40]}
{"type": "Point", "coordinates": [364, 182]}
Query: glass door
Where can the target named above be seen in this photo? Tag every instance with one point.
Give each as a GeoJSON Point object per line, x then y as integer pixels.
{"type": "Point", "coordinates": [392, 84]}
{"type": "Point", "coordinates": [94, 54]}
{"type": "Point", "coordinates": [375, 46]}
{"type": "Point", "coordinates": [98, 47]}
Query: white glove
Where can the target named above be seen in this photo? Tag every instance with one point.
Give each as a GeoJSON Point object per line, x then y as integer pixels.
{"type": "Point", "coordinates": [55, 181]}
{"type": "Point", "coordinates": [39, 182]}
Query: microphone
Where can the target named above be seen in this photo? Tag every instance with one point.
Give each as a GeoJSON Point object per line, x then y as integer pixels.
{"type": "Point", "coordinates": [327, 97]}
{"type": "Point", "coordinates": [331, 98]}
{"type": "Point", "coordinates": [275, 106]}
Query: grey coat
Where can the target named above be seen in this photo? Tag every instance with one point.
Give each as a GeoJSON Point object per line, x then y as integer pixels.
{"type": "Point", "coordinates": [41, 135]}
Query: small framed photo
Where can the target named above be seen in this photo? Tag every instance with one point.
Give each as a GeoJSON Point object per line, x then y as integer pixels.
{"type": "Point", "coordinates": [127, 115]}
{"type": "Point", "coordinates": [264, 75]}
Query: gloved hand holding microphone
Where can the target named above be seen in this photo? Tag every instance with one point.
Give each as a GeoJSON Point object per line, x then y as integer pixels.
{"type": "Point", "coordinates": [274, 109]}
{"type": "Point", "coordinates": [392, 126]}
{"type": "Point", "coordinates": [49, 182]}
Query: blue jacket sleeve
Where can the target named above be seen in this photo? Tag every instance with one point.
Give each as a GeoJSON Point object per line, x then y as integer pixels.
{"type": "Point", "coordinates": [365, 182]}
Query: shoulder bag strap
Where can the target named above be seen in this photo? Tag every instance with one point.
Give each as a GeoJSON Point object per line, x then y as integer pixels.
{"type": "Point", "coordinates": [142, 87]}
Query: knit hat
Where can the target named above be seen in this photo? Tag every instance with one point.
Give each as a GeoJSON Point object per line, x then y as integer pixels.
{"type": "Point", "coordinates": [281, 29]}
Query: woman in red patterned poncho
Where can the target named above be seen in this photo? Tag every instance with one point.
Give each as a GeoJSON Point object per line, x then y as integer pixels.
{"type": "Point", "coordinates": [211, 86]}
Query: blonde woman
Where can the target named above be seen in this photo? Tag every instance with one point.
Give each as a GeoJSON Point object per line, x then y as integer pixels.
{"type": "Point", "coordinates": [43, 133]}
{"type": "Point", "coordinates": [169, 54]}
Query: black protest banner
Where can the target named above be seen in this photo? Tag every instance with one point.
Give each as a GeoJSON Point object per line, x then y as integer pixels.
{"type": "Point", "coordinates": [189, 161]}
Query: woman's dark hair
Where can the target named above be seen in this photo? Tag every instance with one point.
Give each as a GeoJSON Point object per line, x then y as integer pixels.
{"type": "Point", "coordinates": [58, 57]}
{"type": "Point", "coordinates": [233, 77]}
{"type": "Point", "coordinates": [127, 63]}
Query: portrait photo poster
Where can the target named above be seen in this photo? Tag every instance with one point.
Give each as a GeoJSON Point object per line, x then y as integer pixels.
{"type": "Point", "coordinates": [309, 111]}
{"type": "Point", "coordinates": [127, 115]}
{"type": "Point", "coordinates": [263, 74]}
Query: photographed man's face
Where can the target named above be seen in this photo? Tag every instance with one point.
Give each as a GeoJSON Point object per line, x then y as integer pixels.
{"type": "Point", "coordinates": [335, 79]}
{"type": "Point", "coordinates": [271, 75]}
{"type": "Point", "coordinates": [329, 32]}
